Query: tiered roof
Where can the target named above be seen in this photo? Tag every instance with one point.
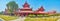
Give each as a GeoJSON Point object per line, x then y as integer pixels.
{"type": "Point", "coordinates": [26, 8]}
{"type": "Point", "coordinates": [40, 10]}
{"type": "Point", "coordinates": [26, 5]}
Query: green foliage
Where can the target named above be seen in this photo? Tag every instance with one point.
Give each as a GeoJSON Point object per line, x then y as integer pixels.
{"type": "Point", "coordinates": [55, 15]}
{"type": "Point", "coordinates": [41, 19]}
{"type": "Point", "coordinates": [1, 13]}
{"type": "Point", "coordinates": [31, 15]}
{"type": "Point", "coordinates": [39, 15]}
{"type": "Point", "coordinates": [12, 6]}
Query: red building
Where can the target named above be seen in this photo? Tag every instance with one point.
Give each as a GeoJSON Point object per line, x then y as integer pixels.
{"type": "Point", "coordinates": [40, 10]}
{"type": "Point", "coordinates": [26, 10]}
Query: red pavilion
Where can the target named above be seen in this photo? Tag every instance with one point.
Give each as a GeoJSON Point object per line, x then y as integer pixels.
{"type": "Point", "coordinates": [26, 10]}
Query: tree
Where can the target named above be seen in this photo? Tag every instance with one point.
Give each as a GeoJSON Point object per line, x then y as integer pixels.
{"type": "Point", "coordinates": [1, 12]}
{"type": "Point", "coordinates": [12, 6]}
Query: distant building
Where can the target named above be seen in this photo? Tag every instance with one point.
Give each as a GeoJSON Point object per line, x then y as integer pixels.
{"type": "Point", "coordinates": [51, 12]}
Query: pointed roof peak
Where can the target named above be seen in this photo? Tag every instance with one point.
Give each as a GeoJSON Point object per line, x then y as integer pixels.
{"type": "Point", "coordinates": [26, 5]}
{"type": "Point", "coordinates": [41, 6]}
{"type": "Point", "coordinates": [26, 2]}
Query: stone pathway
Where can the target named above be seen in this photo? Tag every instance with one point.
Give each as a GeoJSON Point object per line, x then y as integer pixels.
{"type": "Point", "coordinates": [2, 19]}
{"type": "Point", "coordinates": [58, 20]}
{"type": "Point", "coordinates": [19, 19]}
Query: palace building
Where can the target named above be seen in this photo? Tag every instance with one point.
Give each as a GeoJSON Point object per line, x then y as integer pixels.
{"type": "Point", "coordinates": [26, 10]}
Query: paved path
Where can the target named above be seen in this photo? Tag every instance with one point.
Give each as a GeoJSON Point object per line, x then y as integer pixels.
{"type": "Point", "coordinates": [58, 18]}
{"type": "Point", "coordinates": [19, 19]}
{"type": "Point", "coordinates": [2, 19]}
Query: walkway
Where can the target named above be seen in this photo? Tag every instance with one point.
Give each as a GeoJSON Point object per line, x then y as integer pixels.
{"type": "Point", "coordinates": [19, 19]}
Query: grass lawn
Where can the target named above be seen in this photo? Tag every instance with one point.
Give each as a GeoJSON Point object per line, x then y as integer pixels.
{"type": "Point", "coordinates": [42, 19]}
{"type": "Point", "coordinates": [31, 18]}
{"type": "Point", "coordinates": [7, 18]}
{"type": "Point", "coordinates": [48, 18]}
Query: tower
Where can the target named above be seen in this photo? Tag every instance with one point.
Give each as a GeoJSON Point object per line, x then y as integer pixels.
{"type": "Point", "coordinates": [25, 10]}
{"type": "Point", "coordinates": [26, 7]}
{"type": "Point", "coordinates": [41, 9]}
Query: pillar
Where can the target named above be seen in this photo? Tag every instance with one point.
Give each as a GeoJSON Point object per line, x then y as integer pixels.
{"type": "Point", "coordinates": [26, 14]}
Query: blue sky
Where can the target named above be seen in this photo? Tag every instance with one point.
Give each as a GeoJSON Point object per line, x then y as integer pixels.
{"type": "Point", "coordinates": [35, 4]}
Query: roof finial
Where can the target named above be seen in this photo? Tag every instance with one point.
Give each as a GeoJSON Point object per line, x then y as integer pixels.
{"type": "Point", "coordinates": [41, 5]}
{"type": "Point", "coordinates": [26, 5]}
{"type": "Point", "coordinates": [26, 1]}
